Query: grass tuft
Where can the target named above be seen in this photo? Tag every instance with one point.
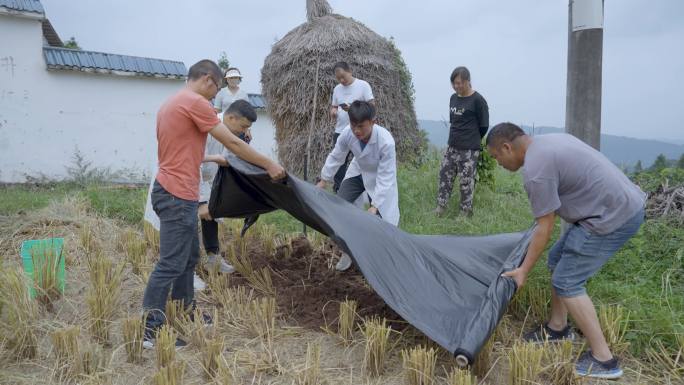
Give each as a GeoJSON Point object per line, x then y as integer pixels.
{"type": "Point", "coordinates": [525, 362]}
{"type": "Point", "coordinates": [103, 295]}
{"type": "Point", "coordinates": [136, 254]}
{"type": "Point", "coordinates": [211, 355]}
{"type": "Point", "coordinates": [461, 377]}
{"type": "Point", "coordinates": [419, 365]}
{"type": "Point", "coordinates": [170, 375]}
{"type": "Point", "coordinates": [311, 373]}
{"type": "Point", "coordinates": [46, 264]}
{"type": "Point", "coordinates": [376, 334]}
{"type": "Point", "coordinates": [67, 354]}
{"type": "Point", "coordinates": [346, 322]}
{"type": "Point", "coordinates": [165, 346]}
{"type": "Point", "coordinates": [614, 321]}
{"type": "Point", "coordinates": [19, 315]}
{"type": "Point", "coordinates": [561, 363]}
{"type": "Point", "coordinates": [133, 331]}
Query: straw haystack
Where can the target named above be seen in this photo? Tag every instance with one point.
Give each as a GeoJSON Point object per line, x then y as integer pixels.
{"type": "Point", "coordinates": [299, 73]}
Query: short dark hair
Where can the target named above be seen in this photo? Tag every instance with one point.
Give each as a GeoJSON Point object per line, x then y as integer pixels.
{"type": "Point", "coordinates": [502, 133]}
{"type": "Point", "coordinates": [460, 72]}
{"type": "Point", "coordinates": [360, 111]}
{"type": "Point", "coordinates": [343, 65]}
{"type": "Point", "coordinates": [242, 109]}
{"type": "Point", "coordinates": [204, 67]}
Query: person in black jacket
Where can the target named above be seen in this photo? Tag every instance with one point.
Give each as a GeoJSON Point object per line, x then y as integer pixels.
{"type": "Point", "coordinates": [469, 118]}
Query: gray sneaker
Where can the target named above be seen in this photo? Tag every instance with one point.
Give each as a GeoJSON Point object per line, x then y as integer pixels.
{"type": "Point", "coordinates": [543, 333]}
{"type": "Point", "coordinates": [344, 263]}
{"type": "Point", "coordinates": [588, 366]}
{"type": "Point", "coordinates": [213, 260]}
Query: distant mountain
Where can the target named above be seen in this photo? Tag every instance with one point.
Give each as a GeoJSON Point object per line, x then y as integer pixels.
{"type": "Point", "coordinates": [621, 150]}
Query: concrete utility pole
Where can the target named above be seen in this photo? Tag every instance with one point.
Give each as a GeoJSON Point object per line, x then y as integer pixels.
{"type": "Point", "coordinates": [585, 57]}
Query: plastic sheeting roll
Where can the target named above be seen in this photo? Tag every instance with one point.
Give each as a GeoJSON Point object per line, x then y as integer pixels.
{"type": "Point", "coordinates": [448, 287]}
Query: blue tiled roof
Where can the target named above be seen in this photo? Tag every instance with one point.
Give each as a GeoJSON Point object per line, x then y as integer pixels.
{"type": "Point", "coordinates": [63, 58]}
{"type": "Point", "coordinates": [23, 5]}
{"type": "Point", "coordinates": [257, 100]}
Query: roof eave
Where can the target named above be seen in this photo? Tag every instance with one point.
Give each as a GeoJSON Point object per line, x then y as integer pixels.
{"type": "Point", "coordinates": [113, 72]}
{"type": "Point", "coordinates": [22, 14]}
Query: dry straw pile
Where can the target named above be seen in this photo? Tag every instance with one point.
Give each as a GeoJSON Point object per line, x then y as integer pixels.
{"type": "Point", "coordinates": [300, 67]}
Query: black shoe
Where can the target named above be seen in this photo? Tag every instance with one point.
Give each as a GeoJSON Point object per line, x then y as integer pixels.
{"type": "Point", "coordinates": [150, 338]}
{"type": "Point", "coordinates": [543, 333]}
{"type": "Point", "coordinates": [206, 318]}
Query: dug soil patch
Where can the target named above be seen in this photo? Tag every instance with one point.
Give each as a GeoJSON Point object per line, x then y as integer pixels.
{"type": "Point", "coordinates": [309, 289]}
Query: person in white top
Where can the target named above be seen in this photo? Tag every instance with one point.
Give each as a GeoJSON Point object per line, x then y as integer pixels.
{"type": "Point", "coordinates": [232, 92]}
{"type": "Point", "coordinates": [347, 91]}
{"type": "Point", "coordinates": [373, 169]}
{"type": "Point", "coordinates": [238, 118]}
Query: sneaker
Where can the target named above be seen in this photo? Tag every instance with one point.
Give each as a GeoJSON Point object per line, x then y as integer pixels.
{"type": "Point", "coordinates": [213, 260]}
{"type": "Point", "coordinates": [150, 337]}
{"type": "Point", "coordinates": [206, 318]}
{"type": "Point", "coordinates": [344, 263]}
{"type": "Point", "coordinates": [466, 213]}
{"type": "Point", "coordinates": [543, 333]}
{"type": "Point", "coordinates": [439, 211]}
{"type": "Point", "coordinates": [588, 366]}
{"type": "Point", "coordinates": [198, 283]}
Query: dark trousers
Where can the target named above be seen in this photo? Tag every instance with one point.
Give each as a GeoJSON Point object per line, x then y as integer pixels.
{"type": "Point", "coordinates": [351, 189]}
{"type": "Point", "coordinates": [339, 176]}
{"type": "Point", "coordinates": [210, 237]}
{"type": "Point", "coordinates": [178, 255]}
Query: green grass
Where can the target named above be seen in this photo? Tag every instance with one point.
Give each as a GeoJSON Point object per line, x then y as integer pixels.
{"type": "Point", "coordinates": [118, 202]}
{"type": "Point", "coordinates": [646, 276]}
{"type": "Point", "coordinates": [15, 199]}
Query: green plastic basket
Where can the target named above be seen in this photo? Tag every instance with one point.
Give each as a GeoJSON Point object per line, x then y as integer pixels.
{"type": "Point", "coordinates": [38, 248]}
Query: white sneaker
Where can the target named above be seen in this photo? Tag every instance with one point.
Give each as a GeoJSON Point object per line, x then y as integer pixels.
{"type": "Point", "coordinates": [344, 263]}
{"type": "Point", "coordinates": [198, 283]}
{"type": "Point", "coordinates": [224, 267]}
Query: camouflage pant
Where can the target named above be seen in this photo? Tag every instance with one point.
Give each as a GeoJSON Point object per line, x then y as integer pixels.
{"type": "Point", "coordinates": [463, 162]}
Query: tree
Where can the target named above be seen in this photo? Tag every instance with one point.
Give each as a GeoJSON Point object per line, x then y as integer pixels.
{"type": "Point", "coordinates": [660, 163]}
{"type": "Point", "coordinates": [72, 44]}
{"type": "Point", "coordinates": [638, 167]}
{"type": "Point", "coordinates": [223, 61]}
{"type": "Point", "coordinates": [680, 162]}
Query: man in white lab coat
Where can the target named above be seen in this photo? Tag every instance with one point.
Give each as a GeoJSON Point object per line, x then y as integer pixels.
{"type": "Point", "coordinates": [373, 169]}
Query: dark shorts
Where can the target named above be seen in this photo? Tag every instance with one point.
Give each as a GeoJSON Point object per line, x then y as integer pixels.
{"type": "Point", "coordinates": [579, 254]}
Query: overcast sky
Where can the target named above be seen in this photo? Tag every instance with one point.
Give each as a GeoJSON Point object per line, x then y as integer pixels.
{"type": "Point", "coordinates": [516, 50]}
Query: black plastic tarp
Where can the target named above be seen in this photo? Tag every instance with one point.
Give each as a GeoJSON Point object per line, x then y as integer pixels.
{"type": "Point", "coordinates": [448, 287]}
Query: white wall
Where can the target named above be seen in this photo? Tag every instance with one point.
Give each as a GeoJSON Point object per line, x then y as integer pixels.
{"type": "Point", "coordinates": [263, 134]}
{"type": "Point", "coordinates": [45, 114]}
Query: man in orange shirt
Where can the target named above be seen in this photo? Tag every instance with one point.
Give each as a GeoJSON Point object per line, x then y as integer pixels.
{"type": "Point", "coordinates": [183, 123]}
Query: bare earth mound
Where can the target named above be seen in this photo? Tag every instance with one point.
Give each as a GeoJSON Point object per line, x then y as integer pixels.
{"type": "Point", "coordinates": [309, 289]}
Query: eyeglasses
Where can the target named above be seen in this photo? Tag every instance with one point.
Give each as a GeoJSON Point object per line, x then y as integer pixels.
{"type": "Point", "coordinates": [214, 81]}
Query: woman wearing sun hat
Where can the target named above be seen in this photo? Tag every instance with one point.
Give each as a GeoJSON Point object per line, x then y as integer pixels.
{"type": "Point", "coordinates": [231, 92]}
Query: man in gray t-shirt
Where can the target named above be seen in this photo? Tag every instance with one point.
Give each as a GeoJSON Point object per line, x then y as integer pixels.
{"type": "Point", "coordinates": [564, 176]}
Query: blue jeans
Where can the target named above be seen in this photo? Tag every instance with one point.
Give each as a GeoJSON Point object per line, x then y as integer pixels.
{"type": "Point", "coordinates": [178, 255]}
{"type": "Point", "coordinates": [579, 254]}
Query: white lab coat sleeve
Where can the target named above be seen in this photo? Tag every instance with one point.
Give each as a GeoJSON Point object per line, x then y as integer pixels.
{"type": "Point", "coordinates": [386, 177]}
{"type": "Point", "coordinates": [337, 157]}
{"type": "Point", "coordinates": [208, 169]}
{"type": "Point", "coordinates": [205, 189]}
{"type": "Point", "coordinates": [150, 216]}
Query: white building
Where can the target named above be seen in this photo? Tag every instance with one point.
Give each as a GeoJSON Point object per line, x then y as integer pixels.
{"type": "Point", "coordinates": [54, 100]}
